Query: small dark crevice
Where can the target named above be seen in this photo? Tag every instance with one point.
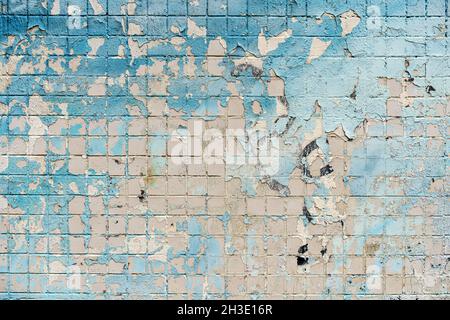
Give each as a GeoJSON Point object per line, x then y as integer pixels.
{"type": "Point", "coordinates": [348, 53]}
{"type": "Point", "coordinates": [307, 214]}
{"type": "Point", "coordinates": [430, 89]}
{"type": "Point", "coordinates": [142, 196]}
{"type": "Point", "coordinates": [353, 94]}
{"type": "Point", "coordinates": [302, 261]}
{"type": "Point", "coordinates": [306, 172]}
{"type": "Point", "coordinates": [309, 148]}
{"type": "Point", "coordinates": [256, 72]}
{"type": "Point", "coordinates": [284, 101]}
{"type": "Point", "coordinates": [326, 170]}
{"type": "Point", "coordinates": [276, 186]}
{"type": "Point", "coordinates": [289, 124]}
{"type": "Point", "coordinates": [409, 78]}
{"type": "Point", "coordinates": [303, 249]}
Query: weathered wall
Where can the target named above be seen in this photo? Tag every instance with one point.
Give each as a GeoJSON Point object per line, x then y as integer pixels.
{"type": "Point", "coordinates": [98, 201]}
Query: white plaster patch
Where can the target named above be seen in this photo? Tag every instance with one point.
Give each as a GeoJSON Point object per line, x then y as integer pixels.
{"type": "Point", "coordinates": [217, 47]}
{"type": "Point", "coordinates": [57, 65]}
{"type": "Point", "coordinates": [270, 44]}
{"type": "Point", "coordinates": [3, 200]}
{"type": "Point", "coordinates": [349, 21]}
{"type": "Point", "coordinates": [318, 47]}
{"type": "Point", "coordinates": [97, 7]}
{"type": "Point", "coordinates": [256, 107]}
{"type": "Point", "coordinates": [194, 30]}
{"type": "Point", "coordinates": [3, 164]}
{"type": "Point", "coordinates": [98, 88]}
{"type": "Point", "coordinates": [37, 127]}
{"type": "Point", "coordinates": [95, 44]}
{"type": "Point", "coordinates": [74, 64]}
{"type": "Point", "coordinates": [135, 29]}
{"type": "Point", "coordinates": [136, 50]}
{"type": "Point", "coordinates": [56, 9]}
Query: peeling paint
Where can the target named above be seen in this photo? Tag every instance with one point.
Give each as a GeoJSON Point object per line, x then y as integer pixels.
{"type": "Point", "coordinates": [351, 97]}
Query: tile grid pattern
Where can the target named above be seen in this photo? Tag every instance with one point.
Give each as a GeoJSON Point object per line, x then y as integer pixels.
{"type": "Point", "coordinates": [89, 193]}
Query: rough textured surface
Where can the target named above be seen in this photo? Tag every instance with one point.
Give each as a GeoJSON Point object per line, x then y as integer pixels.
{"type": "Point", "coordinates": [106, 113]}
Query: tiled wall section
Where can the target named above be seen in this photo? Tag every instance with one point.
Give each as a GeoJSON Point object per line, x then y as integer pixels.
{"type": "Point", "coordinates": [94, 205]}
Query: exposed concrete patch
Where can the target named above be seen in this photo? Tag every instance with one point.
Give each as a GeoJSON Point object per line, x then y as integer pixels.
{"type": "Point", "coordinates": [318, 47]}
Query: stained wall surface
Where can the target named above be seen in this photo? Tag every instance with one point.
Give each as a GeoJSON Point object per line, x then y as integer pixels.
{"type": "Point", "coordinates": [129, 167]}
